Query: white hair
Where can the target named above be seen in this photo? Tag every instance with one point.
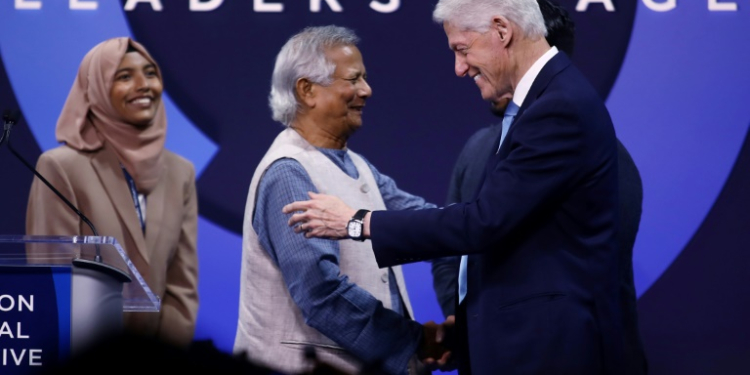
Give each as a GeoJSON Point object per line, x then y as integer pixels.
{"type": "Point", "coordinates": [476, 15]}
{"type": "Point", "coordinates": [304, 56]}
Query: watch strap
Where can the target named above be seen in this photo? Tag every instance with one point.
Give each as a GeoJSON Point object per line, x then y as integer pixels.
{"type": "Point", "coordinates": [358, 220]}
{"type": "Point", "coordinates": [360, 215]}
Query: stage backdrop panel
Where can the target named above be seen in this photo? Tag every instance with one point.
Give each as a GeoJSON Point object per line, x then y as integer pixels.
{"type": "Point", "coordinates": [674, 75]}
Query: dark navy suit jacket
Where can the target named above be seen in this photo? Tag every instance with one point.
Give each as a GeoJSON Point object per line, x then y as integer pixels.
{"type": "Point", "coordinates": [543, 288]}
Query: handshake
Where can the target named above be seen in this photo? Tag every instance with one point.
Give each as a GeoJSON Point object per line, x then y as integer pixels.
{"type": "Point", "coordinates": [437, 345]}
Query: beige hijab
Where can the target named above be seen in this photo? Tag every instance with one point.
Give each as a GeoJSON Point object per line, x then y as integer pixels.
{"type": "Point", "coordinates": [88, 120]}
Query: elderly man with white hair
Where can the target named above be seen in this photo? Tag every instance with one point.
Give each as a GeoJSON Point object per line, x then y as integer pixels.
{"type": "Point", "coordinates": [539, 289]}
{"type": "Point", "coordinates": [329, 295]}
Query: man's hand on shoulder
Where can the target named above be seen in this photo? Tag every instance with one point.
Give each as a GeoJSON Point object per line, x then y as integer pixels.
{"type": "Point", "coordinates": [322, 216]}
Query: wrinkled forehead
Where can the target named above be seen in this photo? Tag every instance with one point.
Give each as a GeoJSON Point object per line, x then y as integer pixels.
{"type": "Point", "coordinates": [344, 56]}
{"type": "Point", "coordinates": [458, 36]}
{"type": "Point", "coordinates": [341, 52]}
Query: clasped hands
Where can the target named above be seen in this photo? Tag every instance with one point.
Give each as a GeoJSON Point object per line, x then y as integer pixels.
{"type": "Point", "coordinates": [437, 342]}
{"type": "Point", "coordinates": [327, 216]}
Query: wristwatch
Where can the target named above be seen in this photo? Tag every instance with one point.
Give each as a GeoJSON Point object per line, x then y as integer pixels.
{"type": "Point", "coordinates": [354, 228]}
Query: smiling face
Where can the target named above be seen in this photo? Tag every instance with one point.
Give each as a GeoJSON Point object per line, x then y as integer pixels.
{"type": "Point", "coordinates": [338, 106]}
{"type": "Point", "coordinates": [136, 90]}
{"type": "Point", "coordinates": [483, 57]}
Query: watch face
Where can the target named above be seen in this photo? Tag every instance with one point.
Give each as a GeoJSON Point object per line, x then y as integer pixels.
{"type": "Point", "coordinates": [354, 229]}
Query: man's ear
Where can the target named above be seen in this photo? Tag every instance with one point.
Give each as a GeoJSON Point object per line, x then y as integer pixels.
{"type": "Point", "coordinates": [503, 28]}
{"type": "Point", "coordinates": [305, 91]}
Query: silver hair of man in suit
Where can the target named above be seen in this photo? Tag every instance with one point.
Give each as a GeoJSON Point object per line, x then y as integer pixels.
{"type": "Point", "coordinates": [472, 14]}
{"type": "Point", "coordinates": [304, 56]}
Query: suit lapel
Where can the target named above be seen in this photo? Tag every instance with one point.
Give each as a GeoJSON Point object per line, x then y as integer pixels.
{"type": "Point", "coordinates": [155, 203]}
{"type": "Point", "coordinates": [554, 66]}
{"type": "Point", "coordinates": [107, 167]}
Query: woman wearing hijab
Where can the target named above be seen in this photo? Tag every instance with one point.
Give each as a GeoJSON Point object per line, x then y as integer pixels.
{"type": "Point", "coordinates": [113, 166]}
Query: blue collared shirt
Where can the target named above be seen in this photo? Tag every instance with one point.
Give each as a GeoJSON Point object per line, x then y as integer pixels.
{"type": "Point", "coordinates": [330, 303]}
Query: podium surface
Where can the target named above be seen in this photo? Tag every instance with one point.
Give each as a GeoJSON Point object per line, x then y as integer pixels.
{"type": "Point", "coordinates": [57, 251]}
{"type": "Point", "coordinates": [61, 295]}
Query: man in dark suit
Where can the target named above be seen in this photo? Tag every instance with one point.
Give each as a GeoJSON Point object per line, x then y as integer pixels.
{"type": "Point", "coordinates": [469, 168]}
{"type": "Point", "coordinates": [540, 291]}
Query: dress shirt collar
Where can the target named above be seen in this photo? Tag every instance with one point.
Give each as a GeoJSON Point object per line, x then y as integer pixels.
{"type": "Point", "coordinates": [524, 85]}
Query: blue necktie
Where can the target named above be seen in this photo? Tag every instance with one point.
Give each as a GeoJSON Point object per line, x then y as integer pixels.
{"type": "Point", "coordinates": [510, 113]}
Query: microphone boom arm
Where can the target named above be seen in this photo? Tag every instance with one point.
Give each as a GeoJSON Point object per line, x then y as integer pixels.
{"type": "Point", "coordinates": [9, 121]}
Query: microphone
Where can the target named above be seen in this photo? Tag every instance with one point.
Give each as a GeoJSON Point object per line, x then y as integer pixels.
{"type": "Point", "coordinates": [10, 118]}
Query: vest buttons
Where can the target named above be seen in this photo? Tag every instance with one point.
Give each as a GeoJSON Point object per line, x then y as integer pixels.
{"type": "Point", "coordinates": [384, 277]}
{"type": "Point", "coordinates": [365, 188]}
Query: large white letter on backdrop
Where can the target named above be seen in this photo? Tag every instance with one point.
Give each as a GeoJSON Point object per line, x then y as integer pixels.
{"type": "Point", "coordinates": [155, 4]}
{"type": "Point", "coordinates": [390, 7]}
{"type": "Point", "coordinates": [715, 5]}
{"type": "Point", "coordinates": [333, 4]}
{"type": "Point", "coordinates": [84, 5]}
{"type": "Point", "coordinates": [660, 7]}
{"type": "Point", "coordinates": [584, 4]}
{"type": "Point", "coordinates": [204, 6]}
{"type": "Point", "coordinates": [27, 4]}
{"type": "Point", "coordinates": [262, 6]}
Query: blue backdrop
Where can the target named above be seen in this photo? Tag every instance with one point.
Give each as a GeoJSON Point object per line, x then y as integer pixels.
{"type": "Point", "coordinates": [674, 75]}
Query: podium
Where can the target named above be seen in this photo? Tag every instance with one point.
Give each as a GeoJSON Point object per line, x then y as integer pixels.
{"type": "Point", "coordinates": [60, 295]}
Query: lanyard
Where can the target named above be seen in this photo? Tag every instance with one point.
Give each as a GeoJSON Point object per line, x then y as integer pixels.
{"type": "Point", "coordinates": [136, 201]}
